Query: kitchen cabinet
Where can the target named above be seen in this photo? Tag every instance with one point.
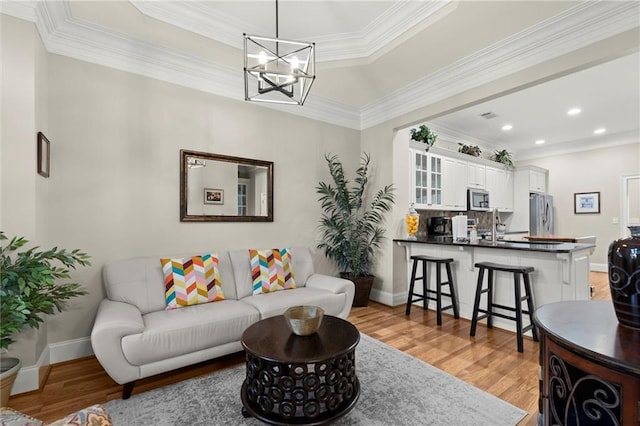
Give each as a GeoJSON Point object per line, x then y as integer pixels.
{"type": "Point", "coordinates": [499, 184]}
{"type": "Point", "coordinates": [454, 184]}
{"type": "Point", "coordinates": [440, 178]}
{"type": "Point", "coordinates": [426, 179]}
{"type": "Point", "coordinates": [537, 180]}
{"type": "Point", "coordinates": [476, 175]}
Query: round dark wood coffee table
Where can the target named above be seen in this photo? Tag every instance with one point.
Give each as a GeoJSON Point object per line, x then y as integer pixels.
{"type": "Point", "coordinates": [300, 379]}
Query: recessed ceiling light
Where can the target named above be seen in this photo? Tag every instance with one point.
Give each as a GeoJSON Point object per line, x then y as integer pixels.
{"type": "Point", "coordinates": [507, 127]}
{"type": "Point", "coordinates": [599, 131]}
{"type": "Point", "coordinates": [574, 111]}
{"type": "Point", "coordinates": [539, 141]}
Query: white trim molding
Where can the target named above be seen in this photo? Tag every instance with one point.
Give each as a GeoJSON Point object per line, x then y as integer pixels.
{"type": "Point", "coordinates": [392, 24]}
{"type": "Point", "coordinates": [580, 26]}
{"type": "Point", "coordinates": [28, 378]}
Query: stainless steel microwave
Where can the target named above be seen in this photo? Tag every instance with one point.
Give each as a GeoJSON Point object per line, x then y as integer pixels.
{"type": "Point", "coordinates": [477, 200]}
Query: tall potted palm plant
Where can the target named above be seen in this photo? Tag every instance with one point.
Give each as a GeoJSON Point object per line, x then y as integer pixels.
{"type": "Point", "coordinates": [352, 229]}
{"type": "Point", "coordinates": [28, 290]}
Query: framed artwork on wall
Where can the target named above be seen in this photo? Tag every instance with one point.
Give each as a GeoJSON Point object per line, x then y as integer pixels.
{"type": "Point", "coordinates": [44, 150]}
{"type": "Point", "coordinates": [586, 202]}
{"type": "Point", "coordinates": [213, 196]}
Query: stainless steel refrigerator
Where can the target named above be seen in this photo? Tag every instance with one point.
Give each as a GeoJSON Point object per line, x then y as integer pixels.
{"type": "Point", "coordinates": [540, 214]}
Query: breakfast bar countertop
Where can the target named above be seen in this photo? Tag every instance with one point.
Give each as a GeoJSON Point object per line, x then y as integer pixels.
{"type": "Point", "coordinates": [546, 246]}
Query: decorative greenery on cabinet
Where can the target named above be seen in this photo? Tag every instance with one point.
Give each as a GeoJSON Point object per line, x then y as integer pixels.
{"type": "Point", "coordinates": [473, 150]}
{"type": "Point", "coordinates": [504, 157]}
{"type": "Point", "coordinates": [424, 134]}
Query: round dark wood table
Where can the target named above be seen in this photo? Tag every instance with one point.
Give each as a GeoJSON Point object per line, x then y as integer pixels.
{"type": "Point", "coordinates": [294, 379]}
{"type": "Point", "coordinates": [590, 365]}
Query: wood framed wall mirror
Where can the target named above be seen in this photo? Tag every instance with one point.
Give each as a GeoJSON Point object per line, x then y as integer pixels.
{"type": "Point", "coordinates": [221, 188]}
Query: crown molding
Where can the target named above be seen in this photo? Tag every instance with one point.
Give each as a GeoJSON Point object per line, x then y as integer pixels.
{"type": "Point", "coordinates": [585, 24]}
{"type": "Point", "coordinates": [198, 18]}
{"type": "Point", "coordinates": [65, 35]}
{"type": "Point", "coordinates": [578, 27]}
{"type": "Point", "coordinates": [393, 23]}
{"type": "Point", "coordinates": [24, 10]}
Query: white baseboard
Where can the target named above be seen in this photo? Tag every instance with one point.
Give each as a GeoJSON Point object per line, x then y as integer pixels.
{"type": "Point", "coordinates": [598, 267]}
{"type": "Point", "coordinates": [386, 298]}
{"type": "Point", "coordinates": [28, 378]}
{"type": "Point", "coordinates": [70, 349]}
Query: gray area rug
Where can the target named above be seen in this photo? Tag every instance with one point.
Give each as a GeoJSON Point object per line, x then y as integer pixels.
{"type": "Point", "coordinates": [395, 389]}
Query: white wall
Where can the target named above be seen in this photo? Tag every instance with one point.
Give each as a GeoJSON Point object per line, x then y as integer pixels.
{"type": "Point", "coordinates": [599, 170]}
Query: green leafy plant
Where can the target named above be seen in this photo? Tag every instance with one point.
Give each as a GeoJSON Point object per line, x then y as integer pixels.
{"type": "Point", "coordinates": [28, 289]}
{"type": "Point", "coordinates": [424, 134]}
{"type": "Point", "coordinates": [351, 230]}
{"type": "Point", "coordinates": [470, 149]}
{"type": "Point", "coordinates": [503, 157]}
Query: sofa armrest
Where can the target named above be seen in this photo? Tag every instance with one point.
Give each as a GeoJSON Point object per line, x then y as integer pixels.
{"type": "Point", "coordinates": [337, 286]}
{"type": "Point", "coordinates": [114, 321]}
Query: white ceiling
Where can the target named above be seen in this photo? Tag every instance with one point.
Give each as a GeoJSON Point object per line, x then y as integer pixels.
{"type": "Point", "coordinates": [607, 94]}
{"type": "Point", "coordinates": [377, 59]}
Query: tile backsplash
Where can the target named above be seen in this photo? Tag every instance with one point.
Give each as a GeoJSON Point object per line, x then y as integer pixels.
{"type": "Point", "coordinates": [483, 219]}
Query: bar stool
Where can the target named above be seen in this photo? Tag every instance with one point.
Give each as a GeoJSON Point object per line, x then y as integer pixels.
{"type": "Point", "coordinates": [426, 292]}
{"type": "Point", "coordinates": [489, 312]}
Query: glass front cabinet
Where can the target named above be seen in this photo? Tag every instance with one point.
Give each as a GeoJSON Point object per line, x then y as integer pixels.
{"type": "Point", "coordinates": [426, 179]}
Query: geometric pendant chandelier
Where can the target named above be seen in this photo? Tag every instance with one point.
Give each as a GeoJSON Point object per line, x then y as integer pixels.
{"type": "Point", "coordinates": [276, 70]}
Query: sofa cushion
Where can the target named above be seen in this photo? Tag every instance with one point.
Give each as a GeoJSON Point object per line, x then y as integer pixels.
{"type": "Point", "coordinates": [240, 261]}
{"type": "Point", "coordinates": [272, 304]}
{"type": "Point", "coordinates": [177, 332]}
{"type": "Point", "coordinates": [271, 270]}
{"type": "Point", "coordinates": [191, 281]}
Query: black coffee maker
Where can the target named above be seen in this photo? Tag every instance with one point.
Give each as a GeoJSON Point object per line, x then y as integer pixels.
{"type": "Point", "coordinates": [437, 225]}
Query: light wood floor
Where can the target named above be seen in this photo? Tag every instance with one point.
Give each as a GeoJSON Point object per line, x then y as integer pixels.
{"type": "Point", "coordinates": [489, 361]}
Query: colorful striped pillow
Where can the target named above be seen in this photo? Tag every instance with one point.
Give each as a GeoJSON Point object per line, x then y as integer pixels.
{"type": "Point", "coordinates": [191, 281]}
{"type": "Point", "coordinates": [271, 270]}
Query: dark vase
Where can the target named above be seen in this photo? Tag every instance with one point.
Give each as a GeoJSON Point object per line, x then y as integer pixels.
{"type": "Point", "coordinates": [624, 278]}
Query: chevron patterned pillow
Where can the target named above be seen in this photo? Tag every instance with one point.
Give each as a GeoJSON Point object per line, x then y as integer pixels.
{"type": "Point", "coordinates": [191, 281]}
{"type": "Point", "coordinates": [271, 270]}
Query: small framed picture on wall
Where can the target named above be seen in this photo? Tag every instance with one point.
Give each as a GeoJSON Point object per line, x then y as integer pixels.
{"type": "Point", "coordinates": [213, 196]}
{"type": "Point", "coordinates": [586, 202]}
{"type": "Point", "coordinates": [44, 155]}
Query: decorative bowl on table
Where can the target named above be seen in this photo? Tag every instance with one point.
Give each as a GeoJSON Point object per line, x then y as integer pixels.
{"type": "Point", "coordinates": [304, 320]}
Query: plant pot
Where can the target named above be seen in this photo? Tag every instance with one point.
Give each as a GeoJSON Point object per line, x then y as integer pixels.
{"type": "Point", "coordinates": [363, 288]}
{"type": "Point", "coordinates": [624, 278]}
{"type": "Point", "coordinates": [9, 368]}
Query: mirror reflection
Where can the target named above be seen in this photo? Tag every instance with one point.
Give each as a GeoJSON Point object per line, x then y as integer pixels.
{"type": "Point", "coordinates": [223, 188]}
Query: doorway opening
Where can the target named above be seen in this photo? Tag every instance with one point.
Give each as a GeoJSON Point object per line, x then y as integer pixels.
{"type": "Point", "coordinates": [630, 204]}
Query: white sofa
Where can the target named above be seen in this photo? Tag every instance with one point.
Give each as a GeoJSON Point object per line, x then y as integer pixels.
{"type": "Point", "coordinates": [134, 336]}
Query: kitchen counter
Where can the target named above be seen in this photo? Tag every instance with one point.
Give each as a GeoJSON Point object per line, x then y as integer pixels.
{"type": "Point", "coordinates": [561, 269]}
{"type": "Point", "coordinates": [541, 246]}
{"type": "Point", "coordinates": [553, 238]}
